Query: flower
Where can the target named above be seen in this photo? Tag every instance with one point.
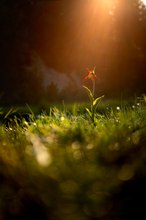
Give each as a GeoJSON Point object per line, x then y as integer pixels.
{"type": "Point", "coordinates": [91, 74]}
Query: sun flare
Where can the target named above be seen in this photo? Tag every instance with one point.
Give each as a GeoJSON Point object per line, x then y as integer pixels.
{"type": "Point", "coordinates": [144, 2]}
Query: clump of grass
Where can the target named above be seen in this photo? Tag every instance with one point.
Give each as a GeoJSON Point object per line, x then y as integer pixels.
{"type": "Point", "coordinates": [62, 166]}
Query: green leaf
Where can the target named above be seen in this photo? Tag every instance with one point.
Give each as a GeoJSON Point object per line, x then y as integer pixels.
{"type": "Point", "coordinates": [9, 112]}
{"type": "Point", "coordinates": [89, 93]}
{"type": "Point", "coordinates": [97, 100]}
{"type": "Point", "coordinates": [89, 112]}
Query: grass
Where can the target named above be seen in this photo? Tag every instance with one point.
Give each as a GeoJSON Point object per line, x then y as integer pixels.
{"type": "Point", "coordinates": [58, 165]}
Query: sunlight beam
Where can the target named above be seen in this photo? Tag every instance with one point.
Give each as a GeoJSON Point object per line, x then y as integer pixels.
{"type": "Point", "coordinates": [144, 2]}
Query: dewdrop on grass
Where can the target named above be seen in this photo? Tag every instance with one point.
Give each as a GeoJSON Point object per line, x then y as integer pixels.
{"type": "Point", "coordinates": [118, 108]}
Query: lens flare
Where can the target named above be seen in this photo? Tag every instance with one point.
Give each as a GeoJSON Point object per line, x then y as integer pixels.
{"type": "Point", "coordinates": [144, 2]}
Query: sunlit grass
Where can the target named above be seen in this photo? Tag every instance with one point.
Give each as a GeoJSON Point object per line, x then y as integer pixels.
{"type": "Point", "coordinates": [68, 167]}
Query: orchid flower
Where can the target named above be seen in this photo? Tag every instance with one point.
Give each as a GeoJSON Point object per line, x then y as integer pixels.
{"type": "Point", "coordinates": [91, 74]}
{"type": "Point", "coordinates": [93, 101]}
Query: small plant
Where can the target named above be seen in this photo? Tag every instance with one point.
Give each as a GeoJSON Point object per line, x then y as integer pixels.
{"type": "Point", "coordinates": [93, 101]}
{"type": "Point", "coordinates": [144, 98]}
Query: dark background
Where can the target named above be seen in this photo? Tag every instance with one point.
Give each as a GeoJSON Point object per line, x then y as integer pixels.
{"type": "Point", "coordinates": [70, 36]}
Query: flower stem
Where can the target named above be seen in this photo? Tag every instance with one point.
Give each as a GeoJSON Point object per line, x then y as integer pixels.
{"type": "Point", "coordinates": [93, 90]}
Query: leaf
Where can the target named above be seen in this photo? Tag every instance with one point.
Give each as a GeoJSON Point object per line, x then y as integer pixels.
{"type": "Point", "coordinates": [89, 112]}
{"type": "Point", "coordinates": [32, 114]}
{"type": "Point", "coordinates": [89, 94]}
{"type": "Point", "coordinates": [97, 100]}
{"type": "Point", "coordinates": [9, 112]}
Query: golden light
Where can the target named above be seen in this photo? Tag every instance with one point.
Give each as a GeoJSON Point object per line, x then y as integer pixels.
{"type": "Point", "coordinates": [79, 32]}
{"type": "Point", "coordinates": [144, 2]}
{"type": "Point", "coordinates": [89, 26]}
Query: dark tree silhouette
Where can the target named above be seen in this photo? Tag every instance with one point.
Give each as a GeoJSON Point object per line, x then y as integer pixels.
{"type": "Point", "coordinates": [17, 84]}
{"type": "Point", "coordinates": [52, 93]}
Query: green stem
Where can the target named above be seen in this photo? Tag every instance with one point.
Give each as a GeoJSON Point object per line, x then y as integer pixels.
{"type": "Point", "coordinates": [93, 91]}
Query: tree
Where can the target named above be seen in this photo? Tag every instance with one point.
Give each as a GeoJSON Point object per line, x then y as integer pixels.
{"type": "Point", "coordinates": [16, 22]}
{"type": "Point", "coordinates": [52, 93]}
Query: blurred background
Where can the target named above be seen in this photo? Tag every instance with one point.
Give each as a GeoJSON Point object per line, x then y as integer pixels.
{"type": "Point", "coordinates": [46, 46]}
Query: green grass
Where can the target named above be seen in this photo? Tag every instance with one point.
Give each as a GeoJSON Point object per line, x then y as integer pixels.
{"type": "Point", "coordinates": [58, 165]}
